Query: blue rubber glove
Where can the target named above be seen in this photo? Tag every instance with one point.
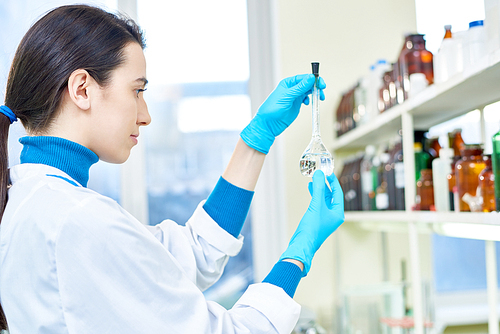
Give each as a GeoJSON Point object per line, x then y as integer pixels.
{"type": "Point", "coordinates": [279, 110]}
{"type": "Point", "coordinates": [323, 216]}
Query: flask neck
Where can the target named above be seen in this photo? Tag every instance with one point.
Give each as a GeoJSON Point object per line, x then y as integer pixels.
{"type": "Point", "coordinates": [315, 111]}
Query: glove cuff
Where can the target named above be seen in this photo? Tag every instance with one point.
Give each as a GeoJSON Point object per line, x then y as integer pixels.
{"type": "Point", "coordinates": [255, 137]}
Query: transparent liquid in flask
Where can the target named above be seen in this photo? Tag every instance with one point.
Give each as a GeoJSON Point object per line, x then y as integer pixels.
{"type": "Point", "coordinates": [316, 156]}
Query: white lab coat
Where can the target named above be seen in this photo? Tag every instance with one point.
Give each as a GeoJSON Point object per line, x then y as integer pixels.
{"type": "Point", "coordinates": [73, 261]}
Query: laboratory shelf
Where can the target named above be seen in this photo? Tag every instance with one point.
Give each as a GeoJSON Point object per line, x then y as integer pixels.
{"type": "Point", "coordinates": [435, 104]}
{"type": "Point", "coordinates": [485, 218]}
{"type": "Point", "coordinates": [470, 225]}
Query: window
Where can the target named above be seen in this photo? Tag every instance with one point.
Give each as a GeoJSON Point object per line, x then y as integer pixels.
{"type": "Point", "coordinates": [198, 71]}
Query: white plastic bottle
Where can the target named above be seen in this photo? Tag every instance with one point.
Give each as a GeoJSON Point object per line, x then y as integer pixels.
{"type": "Point", "coordinates": [441, 167]}
{"type": "Point", "coordinates": [475, 46]}
{"type": "Point", "coordinates": [371, 85]}
{"type": "Point", "coordinates": [375, 83]}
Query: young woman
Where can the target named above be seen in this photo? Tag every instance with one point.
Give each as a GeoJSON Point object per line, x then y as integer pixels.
{"type": "Point", "coordinates": [73, 261]}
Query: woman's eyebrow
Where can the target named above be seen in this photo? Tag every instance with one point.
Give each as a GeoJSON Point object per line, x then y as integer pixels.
{"type": "Point", "coordinates": [143, 80]}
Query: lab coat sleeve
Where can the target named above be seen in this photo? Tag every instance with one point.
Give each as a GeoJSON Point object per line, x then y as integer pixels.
{"type": "Point", "coordinates": [202, 247]}
{"type": "Point", "coordinates": [115, 277]}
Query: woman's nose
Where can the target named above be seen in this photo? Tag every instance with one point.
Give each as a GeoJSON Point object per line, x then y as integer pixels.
{"type": "Point", "coordinates": [143, 117]}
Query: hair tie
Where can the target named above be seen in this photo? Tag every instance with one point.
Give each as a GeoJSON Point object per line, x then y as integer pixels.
{"type": "Point", "coordinates": [7, 112]}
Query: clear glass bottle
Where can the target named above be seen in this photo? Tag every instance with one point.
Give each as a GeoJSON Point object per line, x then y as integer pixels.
{"type": "Point", "coordinates": [467, 172]}
{"type": "Point", "coordinates": [316, 156]}
{"type": "Point", "coordinates": [441, 168]}
{"type": "Point", "coordinates": [487, 186]}
{"type": "Point", "coordinates": [425, 191]}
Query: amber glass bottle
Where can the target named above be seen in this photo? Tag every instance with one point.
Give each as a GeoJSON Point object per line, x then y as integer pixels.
{"type": "Point", "coordinates": [456, 141]}
{"type": "Point", "coordinates": [447, 33]}
{"type": "Point", "coordinates": [415, 58]}
{"type": "Point", "coordinates": [425, 191]}
{"type": "Point", "coordinates": [487, 185]}
{"type": "Point", "coordinates": [467, 172]}
{"type": "Point", "coordinates": [385, 93]}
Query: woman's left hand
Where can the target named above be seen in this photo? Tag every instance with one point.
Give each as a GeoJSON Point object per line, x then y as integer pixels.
{"type": "Point", "coordinates": [279, 110]}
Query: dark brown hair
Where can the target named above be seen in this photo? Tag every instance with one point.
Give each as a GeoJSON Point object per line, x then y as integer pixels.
{"type": "Point", "coordinates": [66, 39]}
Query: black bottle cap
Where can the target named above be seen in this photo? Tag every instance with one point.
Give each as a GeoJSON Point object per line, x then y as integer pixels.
{"type": "Point", "coordinates": [315, 69]}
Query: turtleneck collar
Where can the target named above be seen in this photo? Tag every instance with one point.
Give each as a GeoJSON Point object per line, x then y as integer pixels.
{"type": "Point", "coordinates": [67, 156]}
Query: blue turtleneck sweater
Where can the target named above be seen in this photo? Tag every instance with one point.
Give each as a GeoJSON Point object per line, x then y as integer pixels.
{"type": "Point", "coordinates": [228, 205]}
{"type": "Point", "coordinates": [70, 157]}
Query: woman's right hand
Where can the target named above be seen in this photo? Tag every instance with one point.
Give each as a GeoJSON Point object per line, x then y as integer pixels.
{"type": "Point", "coordinates": [279, 110]}
{"type": "Point", "coordinates": [323, 216]}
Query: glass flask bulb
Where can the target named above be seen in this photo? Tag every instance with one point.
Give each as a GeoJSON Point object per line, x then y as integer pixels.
{"type": "Point", "coordinates": [316, 156]}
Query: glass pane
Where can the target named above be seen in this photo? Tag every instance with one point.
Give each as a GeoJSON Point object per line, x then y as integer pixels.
{"type": "Point", "coordinates": [433, 15]}
{"type": "Point", "coordinates": [198, 70]}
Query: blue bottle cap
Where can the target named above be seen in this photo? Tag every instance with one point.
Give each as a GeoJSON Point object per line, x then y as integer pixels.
{"type": "Point", "coordinates": [476, 23]}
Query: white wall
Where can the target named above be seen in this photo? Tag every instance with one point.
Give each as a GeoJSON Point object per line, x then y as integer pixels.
{"type": "Point", "coordinates": [346, 37]}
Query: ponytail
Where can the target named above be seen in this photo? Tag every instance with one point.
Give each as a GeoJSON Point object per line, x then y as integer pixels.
{"type": "Point", "coordinates": [4, 162]}
{"type": "Point", "coordinates": [5, 121]}
{"type": "Point", "coordinates": [3, 320]}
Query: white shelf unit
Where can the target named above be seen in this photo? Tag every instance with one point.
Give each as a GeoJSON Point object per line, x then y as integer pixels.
{"type": "Point", "coordinates": [465, 92]}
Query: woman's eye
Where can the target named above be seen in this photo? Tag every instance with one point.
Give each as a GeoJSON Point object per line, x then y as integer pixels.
{"type": "Point", "coordinates": [140, 91]}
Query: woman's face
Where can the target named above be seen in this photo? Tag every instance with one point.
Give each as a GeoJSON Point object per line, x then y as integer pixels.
{"type": "Point", "coordinates": [120, 109]}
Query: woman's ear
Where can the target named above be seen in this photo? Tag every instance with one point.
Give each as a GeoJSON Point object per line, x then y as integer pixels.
{"type": "Point", "coordinates": [78, 88]}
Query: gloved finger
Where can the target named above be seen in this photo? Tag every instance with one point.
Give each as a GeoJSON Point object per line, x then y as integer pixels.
{"type": "Point", "coordinates": [321, 83]}
{"type": "Point", "coordinates": [303, 86]}
{"type": "Point", "coordinates": [310, 188]}
{"type": "Point", "coordinates": [306, 100]}
{"type": "Point", "coordinates": [331, 178]}
{"type": "Point", "coordinates": [321, 95]}
{"type": "Point", "coordinates": [319, 185]}
{"type": "Point", "coordinates": [292, 81]}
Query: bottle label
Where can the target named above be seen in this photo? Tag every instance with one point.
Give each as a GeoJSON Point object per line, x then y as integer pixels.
{"type": "Point", "coordinates": [382, 201]}
{"type": "Point", "coordinates": [399, 174]}
{"type": "Point", "coordinates": [367, 182]}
